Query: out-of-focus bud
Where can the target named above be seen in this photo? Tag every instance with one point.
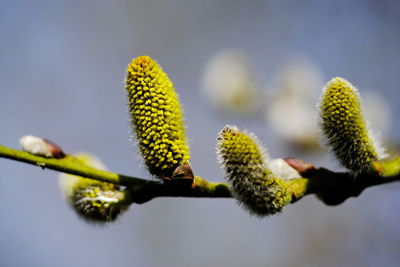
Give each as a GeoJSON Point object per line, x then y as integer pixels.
{"type": "Point", "coordinates": [290, 110]}
{"type": "Point", "coordinates": [299, 75]}
{"type": "Point", "coordinates": [93, 200]}
{"type": "Point", "coordinates": [230, 84]}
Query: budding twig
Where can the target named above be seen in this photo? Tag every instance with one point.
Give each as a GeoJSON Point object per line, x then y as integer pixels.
{"type": "Point", "coordinates": [331, 187]}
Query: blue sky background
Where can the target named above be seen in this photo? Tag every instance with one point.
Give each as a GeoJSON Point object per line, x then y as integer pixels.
{"type": "Point", "coordinates": [62, 67]}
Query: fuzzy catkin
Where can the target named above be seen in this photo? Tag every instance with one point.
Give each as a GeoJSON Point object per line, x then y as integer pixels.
{"type": "Point", "coordinates": [156, 116]}
{"type": "Point", "coordinates": [344, 126]}
{"type": "Point", "coordinates": [93, 200]}
{"type": "Point", "coordinates": [253, 184]}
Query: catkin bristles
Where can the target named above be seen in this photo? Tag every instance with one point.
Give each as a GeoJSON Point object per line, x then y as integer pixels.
{"type": "Point", "coordinates": [345, 128]}
{"type": "Point", "coordinates": [253, 184]}
{"type": "Point", "coordinates": [156, 116]}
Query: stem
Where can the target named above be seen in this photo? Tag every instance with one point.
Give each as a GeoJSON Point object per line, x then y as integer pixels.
{"type": "Point", "coordinates": [142, 190]}
{"type": "Point", "coordinates": [331, 187]}
{"type": "Point", "coordinates": [69, 164]}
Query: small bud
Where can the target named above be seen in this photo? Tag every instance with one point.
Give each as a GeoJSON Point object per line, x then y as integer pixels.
{"type": "Point", "coordinates": [302, 167]}
{"type": "Point", "coordinates": [93, 200]}
{"type": "Point", "coordinates": [283, 170]}
{"type": "Point", "coordinates": [41, 147]}
{"type": "Point", "coordinates": [245, 164]}
{"type": "Point", "coordinates": [183, 172]}
{"type": "Point", "coordinates": [345, 128]}
{"type": "Point", "coordinates": [156, 116]}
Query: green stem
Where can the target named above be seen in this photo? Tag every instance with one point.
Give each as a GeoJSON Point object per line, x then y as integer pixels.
{"type": "Point", "coordinates": [142, 190]}
{"type": "Point", "coordinates": [331, 187]}
{"type": "Point", "coordinates": [69, 164]}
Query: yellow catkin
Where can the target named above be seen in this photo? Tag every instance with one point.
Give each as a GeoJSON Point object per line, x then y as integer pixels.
{"type": "Point", "coordinates": [345, 128]}
{"type": "Point", "coordinates": [93, 200]}
{"type": "Point", "coordinates": [156, 116]}
{"type": "Point", "coordinates": [253, 183]}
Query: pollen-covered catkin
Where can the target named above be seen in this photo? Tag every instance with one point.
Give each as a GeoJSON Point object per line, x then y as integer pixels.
{"type": "Point", "coordinates": [93, 200]}
{"type": "Point", "coordinates": [253, 183]}
{"type": "Point", "coordinates": [156, 116]}
{"type": "Point", "coordinates": [345, 128]}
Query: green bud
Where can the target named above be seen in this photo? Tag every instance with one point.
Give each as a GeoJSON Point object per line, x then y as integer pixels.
{"type": "Point", "coordinates": [345, 128]}
{"type": "Point", "coordinates": [94, 200]}
{"type": "Point", "coordinates": [156, 116]}
{"type": "Point", "coordinates": [252, 183]}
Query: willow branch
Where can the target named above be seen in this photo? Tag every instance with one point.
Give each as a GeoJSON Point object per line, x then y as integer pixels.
{"type": "Point", "coordinates": [331, 187]}
{"type": "Point", "coordinates": [143, 190]}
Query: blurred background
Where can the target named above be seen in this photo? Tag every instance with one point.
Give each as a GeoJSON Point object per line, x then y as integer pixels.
{"type": "Point", "coordinates": [62, 74]}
